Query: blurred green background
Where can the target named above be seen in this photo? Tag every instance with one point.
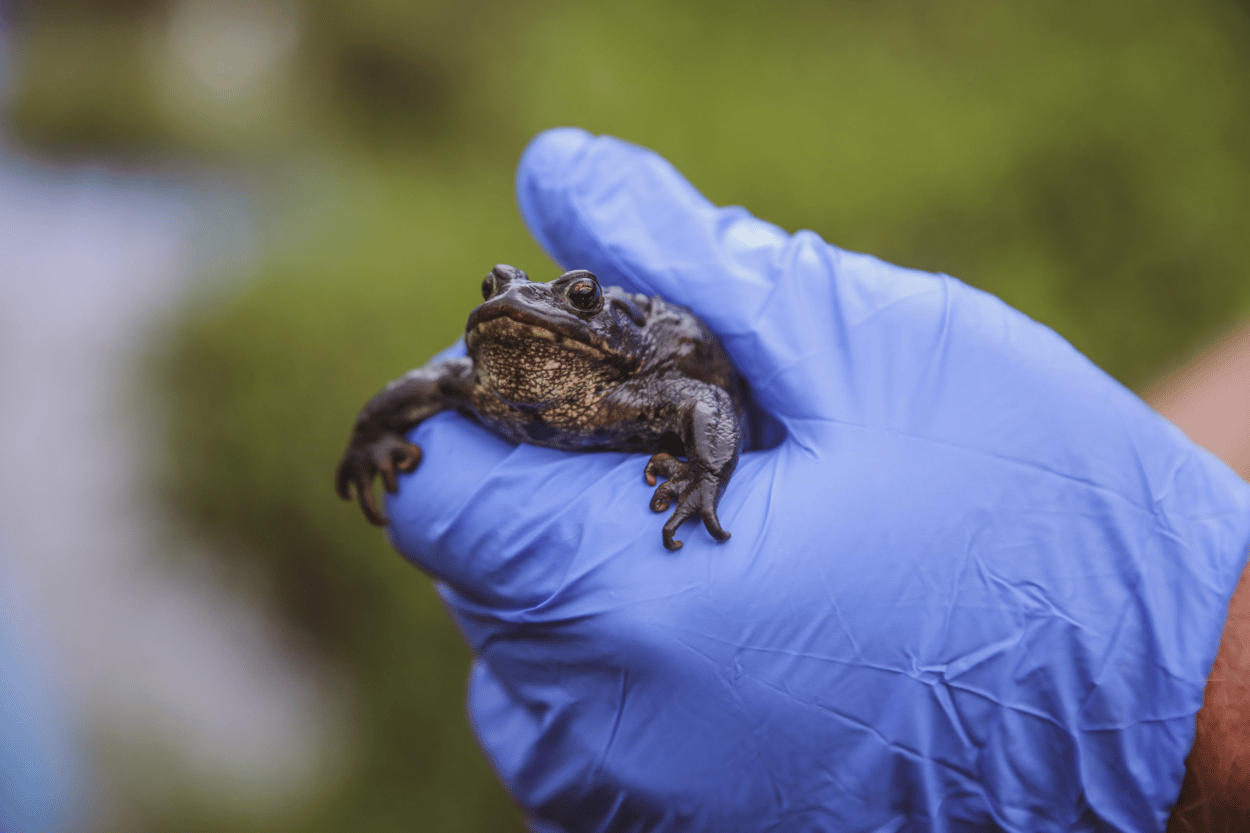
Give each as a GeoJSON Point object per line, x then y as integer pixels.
{"type": "Point", "coordinates": [1089, 163]}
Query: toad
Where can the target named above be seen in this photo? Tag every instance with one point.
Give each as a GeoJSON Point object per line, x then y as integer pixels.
{"type": "Point", "coordinates": [574, 365]}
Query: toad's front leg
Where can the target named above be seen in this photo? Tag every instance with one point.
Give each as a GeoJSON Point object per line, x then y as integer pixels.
{"type": "Point", "coordinates": [709, 423]}
{"type": "Point", "coordinates": [378, 446]}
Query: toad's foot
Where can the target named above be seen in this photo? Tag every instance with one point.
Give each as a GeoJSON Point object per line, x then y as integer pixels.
{"type": "Point", "coordinates": [363, 459]}
{"type": "Point", "coordinates": [696, 492]}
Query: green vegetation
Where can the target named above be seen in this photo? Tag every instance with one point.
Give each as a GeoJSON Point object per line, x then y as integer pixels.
{"type": "Point", "coordinates": [1090, 163]}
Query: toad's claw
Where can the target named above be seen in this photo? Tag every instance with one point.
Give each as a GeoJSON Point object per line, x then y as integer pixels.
{"type": "Point", "coordinates": [364, 459]}
{"type": "Point", "coordinates": [695, 492]}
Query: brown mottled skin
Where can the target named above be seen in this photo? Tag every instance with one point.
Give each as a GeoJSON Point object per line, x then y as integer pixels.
{"type": "Point", "coordinates": [572, 365]}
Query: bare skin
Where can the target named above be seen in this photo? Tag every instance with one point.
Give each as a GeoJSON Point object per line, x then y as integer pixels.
{"type": "Point", "coordinates": [1209, 399]}
{"type": "Point", "coordinates": [1216, 794]}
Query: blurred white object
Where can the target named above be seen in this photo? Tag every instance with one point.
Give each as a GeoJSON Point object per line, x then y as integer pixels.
{"type": "Point", "coordinates": [232, 48]}
{"type": "Point", "coordinates": [224, 66]}
{"type": "Point", "coordinates": [172, 665]}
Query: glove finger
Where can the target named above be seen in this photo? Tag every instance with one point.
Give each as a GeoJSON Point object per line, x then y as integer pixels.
{"type": "Point", "coordinates": [626, 214]}
{"type": "Point", "coordinates": [785, 306]}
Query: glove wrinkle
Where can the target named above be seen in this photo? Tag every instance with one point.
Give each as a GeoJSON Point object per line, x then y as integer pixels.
{"type": "Point", "coordinates": [974, 583]}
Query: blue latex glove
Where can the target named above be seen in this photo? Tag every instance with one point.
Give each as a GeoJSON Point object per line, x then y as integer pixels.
{"type": "Point", "coordinates": [977, 584]}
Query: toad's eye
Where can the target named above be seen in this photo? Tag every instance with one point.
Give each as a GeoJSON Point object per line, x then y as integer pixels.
{"type": "Point", "coordinates": [584, 294]}
{"type": "Point", "coordinates": [488, 287]}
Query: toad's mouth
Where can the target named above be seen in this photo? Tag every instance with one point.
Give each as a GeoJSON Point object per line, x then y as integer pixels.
{"type": "Point", "coordinates": [503, 330]}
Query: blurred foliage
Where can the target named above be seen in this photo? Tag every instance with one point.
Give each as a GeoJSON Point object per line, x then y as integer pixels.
{"type": "Point", "coordinates": [265, 388]}
{"type": "Point", "coordinates": [1089, 163]}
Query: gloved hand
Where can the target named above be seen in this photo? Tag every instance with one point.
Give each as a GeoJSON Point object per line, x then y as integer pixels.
{"type": "Point", "coordinates": [973, 583]}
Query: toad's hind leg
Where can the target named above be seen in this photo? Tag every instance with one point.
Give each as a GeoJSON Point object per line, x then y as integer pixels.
{"type": "Point", "coordinates": [695, 491]}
